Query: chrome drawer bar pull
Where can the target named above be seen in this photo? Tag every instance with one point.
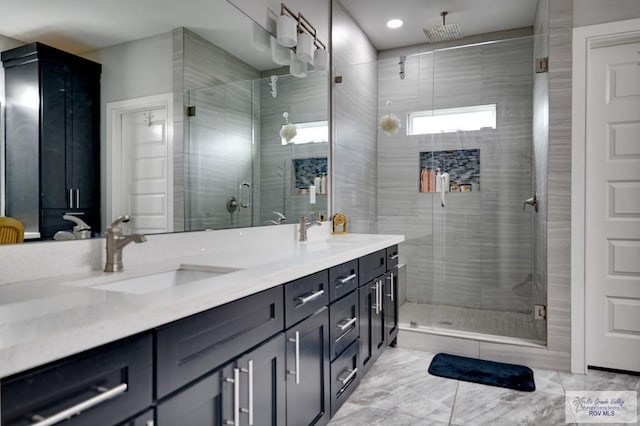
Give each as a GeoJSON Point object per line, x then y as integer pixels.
{"type": "Point", "coordinates": [391, 278]}
{"type": "Point", "coordinates": [310, 297]}
{"type": "Point", "coordinates": [83, 406]}
{"type": "Point", "coordinates": [344, 280]}
{"type": "Point", "coordinates": [345, 380]}
{"type": "Point", "coordinates": [249, 371]}
{"type": "Point", "coordinates": [393, 257]}
{"type": "Point", "coordinates": [347, 324]}
{"type": "Point", "coordinates": [296, 372]}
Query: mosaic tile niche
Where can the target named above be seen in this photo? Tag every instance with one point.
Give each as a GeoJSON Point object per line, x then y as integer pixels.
{"type": "Point", "coordinates": [463, 166]}
{"type": "Point", "coordinates": [305, 170]}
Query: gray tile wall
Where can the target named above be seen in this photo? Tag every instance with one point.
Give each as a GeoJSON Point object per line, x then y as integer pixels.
{"type": "Point", "coordinates": [355, 117]}
{"type": "Point", "coordinates": [477, 251]}
{"type": "Point", "coordinates": [306, 100]}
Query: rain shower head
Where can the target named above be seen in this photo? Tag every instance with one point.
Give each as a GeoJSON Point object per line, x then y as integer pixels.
{"type": "Point", "coordinates": [443, 32]}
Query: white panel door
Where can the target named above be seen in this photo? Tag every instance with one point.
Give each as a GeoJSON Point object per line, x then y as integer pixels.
{"type": "Point", "coordinates": [145, 154]}
{"type": "Point", "coordinates": [612, 270]}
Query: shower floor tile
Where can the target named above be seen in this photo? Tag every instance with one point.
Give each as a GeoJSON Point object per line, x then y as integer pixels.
{"type": "Point", "coordinates": [499, 323]}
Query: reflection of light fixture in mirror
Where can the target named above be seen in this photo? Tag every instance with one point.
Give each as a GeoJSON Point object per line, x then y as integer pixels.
{"type": "Point", "coordinates": [308, 49]}
{"type": "Point", "coordinates": [389, 123]}
{"type": "Point", "coordinates": [280, 54]}
{"type": "Point", "coordinates": [288, 131]}
{"type": "Point", "coordinates": [298, 68]}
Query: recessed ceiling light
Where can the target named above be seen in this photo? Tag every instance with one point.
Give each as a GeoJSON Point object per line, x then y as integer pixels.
{"type": "Point", "coordinates": [394, 23]}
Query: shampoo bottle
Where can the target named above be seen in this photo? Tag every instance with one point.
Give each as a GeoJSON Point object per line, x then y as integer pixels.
{"type": "Point", "coordinates": [438, 187]}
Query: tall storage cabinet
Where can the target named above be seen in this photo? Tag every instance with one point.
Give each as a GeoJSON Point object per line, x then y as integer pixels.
{"type": "Point", "coordinates": [52, 138]}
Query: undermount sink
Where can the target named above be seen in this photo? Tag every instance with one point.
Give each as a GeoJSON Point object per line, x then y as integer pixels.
{"type": "Point", "coordinates": [163, 280]}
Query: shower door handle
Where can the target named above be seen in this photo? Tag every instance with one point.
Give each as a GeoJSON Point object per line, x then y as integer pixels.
{"type": "Point", "coordinates": [244, 204]}
{"type": "Point", "coordinates": [533, 202]}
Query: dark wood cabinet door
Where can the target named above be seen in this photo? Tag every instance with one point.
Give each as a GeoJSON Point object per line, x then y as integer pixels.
{"type": "Point", "coordinates": [371, 322]}
{"type": "Point", "coordinates": [200, 404]}
{"type": "Point", "coordinates": [263, 384]}
{"type": "Point", "coordinates": [84, 163]}
{"type": "Point", "coordinates": [54, 186]}
{"type": "Point", "coordinates": [308, 375]}
{"type": "Point", "coordinates": [391, 305]}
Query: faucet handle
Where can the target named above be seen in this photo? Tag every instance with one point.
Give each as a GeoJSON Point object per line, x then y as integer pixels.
{"type": "Point", "coordinates": [121, 219]}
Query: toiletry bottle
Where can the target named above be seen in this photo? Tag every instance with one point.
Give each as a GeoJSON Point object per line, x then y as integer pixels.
{"type": "Point", "coordinates": [445, 181]}
{"type": "Point", "coordinates": [432, 181]}
{"type": "Point", "coordinates": [424, 181]}
{"type": "Point", "coordinates": [438, 187]}
{"type": "Point", "coordinates": [323, 184]}
{"type": "Point", "coordinates": [317, 182]}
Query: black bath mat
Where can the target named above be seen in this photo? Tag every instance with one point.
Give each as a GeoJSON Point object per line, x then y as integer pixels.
{"type": "Point", "coordinates": [517, 377]}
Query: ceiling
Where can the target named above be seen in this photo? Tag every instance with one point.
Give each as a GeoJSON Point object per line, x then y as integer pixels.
{"type": "Point", "coordinates": [472, 16]}
{"type": "Point", "coordinates": [80, 26]}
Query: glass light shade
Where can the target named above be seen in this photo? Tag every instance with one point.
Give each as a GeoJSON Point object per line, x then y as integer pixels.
{"type": "Point", "coordinates": [320, 59]}
{"type": "Point", "coordinates": [279, 54]}
{"type": "Point", "coordinates": [304, 48]}
{"type": "Point", "coordinates": [298, 68]}
{"type": "Point", "coordinates": [287, 31]}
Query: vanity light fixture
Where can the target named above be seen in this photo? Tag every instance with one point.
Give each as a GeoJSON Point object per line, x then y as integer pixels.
{"type": "Point", "coordinates": [302, 38]}
{"type": "Point", "coordinates": [394, 23]}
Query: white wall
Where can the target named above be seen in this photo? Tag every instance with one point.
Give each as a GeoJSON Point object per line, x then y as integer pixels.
{"type": "Point", "coordinates": [6, 43]}
{"type": "Point", "coordinates": [590, 12]}
{"type": "Point", "coordinates": [131, 70]}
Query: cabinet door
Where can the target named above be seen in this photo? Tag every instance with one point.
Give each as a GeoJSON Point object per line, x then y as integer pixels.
{"type": "Point", "coordinates": [263, 384]}
{"type": "Point", "coordinates": [371, 322]}
{"type": "Point", "coordinates": [391, 306]}
{"type": "Point", "coordinates": [145, 419]}
{"type": "Point", "coordinates": [53, 172]}
{"type": "Point", "coordinates": [84, 161]}
{"type": "Point", "coordinates": [200, 404]}
{"type": "Point", "coordinates": [308, 375]}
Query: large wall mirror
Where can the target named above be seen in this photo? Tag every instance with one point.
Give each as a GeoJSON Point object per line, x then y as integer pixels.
{"type": "Point", "coordinates": [193, 100]}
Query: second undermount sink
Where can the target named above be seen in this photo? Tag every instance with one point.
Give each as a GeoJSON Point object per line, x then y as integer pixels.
{"type": "Point", "coordinates": [185, 274]}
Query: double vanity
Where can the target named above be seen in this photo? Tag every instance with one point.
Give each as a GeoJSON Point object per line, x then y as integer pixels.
{"type": "Point", "coordinates": [235, 327]}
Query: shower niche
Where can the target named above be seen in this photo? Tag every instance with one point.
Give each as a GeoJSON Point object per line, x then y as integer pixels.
{"type": "Point", "coordinates": [461, 165]}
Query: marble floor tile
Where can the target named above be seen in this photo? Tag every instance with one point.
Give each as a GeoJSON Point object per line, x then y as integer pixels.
{"type": "Point", "coordinates": [548, 381]}
{"type": "Point", "coordinates": [357, 415]}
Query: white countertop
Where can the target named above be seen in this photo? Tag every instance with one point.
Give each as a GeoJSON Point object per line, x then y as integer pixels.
{"type": "Point", "coordinates": [47, 319]}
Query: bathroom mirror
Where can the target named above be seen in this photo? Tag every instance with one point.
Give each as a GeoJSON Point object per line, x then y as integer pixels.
{"type": "Point", "coordinates": [224, 97]}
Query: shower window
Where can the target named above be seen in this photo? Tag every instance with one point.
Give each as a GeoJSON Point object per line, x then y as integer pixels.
{"type": "Point", "coordinates": [452, 120]}
{"type": "Point", "coordinates": [310, 132]}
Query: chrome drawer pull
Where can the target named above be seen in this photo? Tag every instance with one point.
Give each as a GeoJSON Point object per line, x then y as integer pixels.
{"type": "Point", "coordinates": [391, 278]}
{"type": "Point", "coordinates": [345, 380]}
{"type": "Point", "coordinates": [344, 280]}
{"type": "Point", "coordinates": [249, 411]}
{"type": "Point", "coordinates": [79, 408]}
{"type": "Point", "coordinates": [393, 257]}
{"type": "Point", "coordinates": [347, 324]}
{"type": "Point", "coordinates": [310, 297]}
{"type": "Point", "coordinates": [236, 397]}
{"type": "Point", "coordinates": [296, 372]}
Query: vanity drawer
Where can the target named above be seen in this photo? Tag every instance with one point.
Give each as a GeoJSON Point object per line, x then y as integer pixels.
{"type": "Point", "coordinates": [392, 257]}
{"type": "Point", "coordinates": [191, 347]}
{"type": "Point", "coordinates": [372, 266]}
{"type": "Point", "coordinates": [345, 376]}
{"type": "Point", "coordinates": [343, 279]}
{"type": "Point", "coordinates": [305, 296]}
{"type": "Point", "coordinates": [344, 326]}
{"type": "Point", "coordinates": [123, 369]}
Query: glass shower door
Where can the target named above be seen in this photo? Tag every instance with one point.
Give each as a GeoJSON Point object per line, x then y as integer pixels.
{"type": "Point", "coordinates": [218, 157]}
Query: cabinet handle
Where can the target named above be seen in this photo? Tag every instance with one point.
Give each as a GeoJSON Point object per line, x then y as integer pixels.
{"type": "Point", "coordinates": [71, 198]}
{"type": "Point", "coordinates": [236, 397]}
{"type": "Point", "coordinates": [310, 297]}
{"type": "Point", "coordinates": [347, 324]}
{"type": "Point", "coordinates": [391, 278]}
{"type": "Point", "coordinates": [77, 198]}
{"type": "Point", "coordinates": [393, 257]}
{"type": "Point", "coordinates": [79, 408]}
{"type": "Point", "coordinates": [296, 372]}
{"type": "Point", "coordinates": [249, 370]}
{"type": "Point", "coordinates": [350, 376]}
{"type": "Point", "coordinates": [375, 306]}
{"type": "Point", "coordinates": [344, 280]}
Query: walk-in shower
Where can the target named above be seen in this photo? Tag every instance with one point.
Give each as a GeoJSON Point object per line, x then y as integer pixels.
{"type": "Point", "coordinates": [454, 181]}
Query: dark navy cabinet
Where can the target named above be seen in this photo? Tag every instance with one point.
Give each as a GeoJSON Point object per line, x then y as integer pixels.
{"type": "Point", "coordinates": [52, 120]}
{"type": "Point", "coordinates": [371, 322]}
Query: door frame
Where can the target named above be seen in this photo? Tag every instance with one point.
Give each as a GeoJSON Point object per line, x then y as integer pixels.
{"type": "Point", "coordinates": [584, 39]}
{"type": "Point", "coordinates": [115, 111]}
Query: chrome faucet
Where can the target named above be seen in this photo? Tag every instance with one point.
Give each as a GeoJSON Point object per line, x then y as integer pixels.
{"type": "Point", "coordinates": [116, 241]}
{"type": "Point", "coordinates": [304, 225]}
